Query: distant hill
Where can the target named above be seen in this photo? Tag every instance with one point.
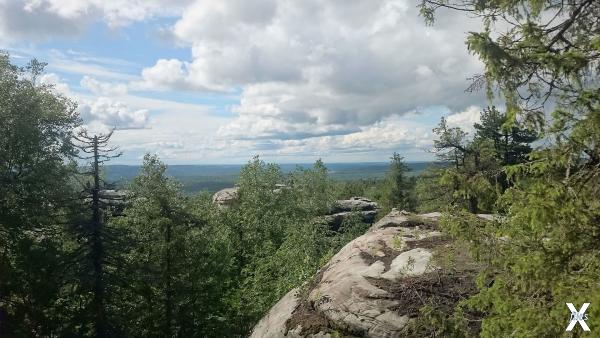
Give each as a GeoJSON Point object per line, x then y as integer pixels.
{"type": "Point", "coordinates": [214, 177]}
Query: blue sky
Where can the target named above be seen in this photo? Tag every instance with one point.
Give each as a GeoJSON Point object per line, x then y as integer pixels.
{"type": "Point", "coordinates": [206, 81]}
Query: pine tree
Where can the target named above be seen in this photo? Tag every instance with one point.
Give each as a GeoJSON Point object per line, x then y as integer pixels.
{"type": "Point", "coordinates": [472, 173]}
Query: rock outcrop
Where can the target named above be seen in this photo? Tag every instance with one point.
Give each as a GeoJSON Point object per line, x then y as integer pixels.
{"type": "Point", "coordinates": [226, 197]}
{"type": "Point", "coordinates": [113, 197]}
{"type": "Point", "coordinates": [376, 284]}
{"type": "Point", "coordinates": [342, 209]}
{"type": "Point", "coordinates": [114, 201]}
{"type": "Point", "coordinates": [354, 203]}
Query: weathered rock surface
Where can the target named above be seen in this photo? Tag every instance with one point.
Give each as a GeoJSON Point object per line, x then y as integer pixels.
{"type": "Point", "coordinates": [273, 323]}
{"type": "Point", "coordinates": [343, 209]}
{"type": "Point", "coordinates": [226, 197]}
{"type": "Point", "coordinates": [113, 197]}
{"type": "Point", "coordinates": [376, 284]}
{"type": "Point", "coordinates": [113, 200]}
{"type": "Point", "coordinates": [354, 203]}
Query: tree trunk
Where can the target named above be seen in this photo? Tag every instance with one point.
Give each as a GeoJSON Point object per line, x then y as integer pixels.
{"type": "Point", "coordinates": [168, 279]}
{"type": "Point", "coordinates": [97, 251]}
{"type": "Point", "coordinates": [473, 204]}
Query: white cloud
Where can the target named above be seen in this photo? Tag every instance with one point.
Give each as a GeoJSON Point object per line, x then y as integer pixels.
{"type": "Point", "coordinates": [61, 63]}
{"type": "Point", "coordinates": [113, 114]}
{"type": "Point", "coordinates": [374, 142]}
{"type": "Point", "coordinates": [100, 113]}
{"type": "Point", "coordinates": [52, 79]}
{"type": "Point", "coordinates": [44, 19]}
{"type": "Point", "coordinates": [314, 68]}
{"type": "Point", "coordinates": [103, 88]}
{"type": "Point", "coordinates": [465, 119]}
{"type": "Point", "coordinates": [172, 74]}
{"type": "Point", "coordinates": [179, 133]}
{"type": "Point", "coordinates": [21, 20]}
{"type": "Point", "coordinates": [315, 78]}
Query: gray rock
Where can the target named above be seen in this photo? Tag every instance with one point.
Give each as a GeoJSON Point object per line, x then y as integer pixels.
{"type": "Point", "coordinates": [362, 291]}
{"type": "Point", "coordinates": [273, 324]}
{"type": "Point", "coordinates": [354, 204]}
{"type": "Point", "coordinates": [336, 220]}
{"type": "Point", "coordinates": [342, 209]}
{"type": "Point", "coordinates": [113, 200]}
{"type": "Point", "coordinates": [226, 197]}
{"type": "Point", "coordinates": [393, 219]}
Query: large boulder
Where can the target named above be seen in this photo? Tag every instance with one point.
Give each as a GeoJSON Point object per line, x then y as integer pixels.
{"type": "Point", "coordinates": [113, 197]}
{"type": "Point", "coordinates": [114, 201]}
{"type": "Point", "coordinates": [354, 204]}
{"type": "Point", "coordinates": [226, 197]}
{"type": "Point", "coordinates": [376, 284]}
{"type": "Point", "coordinates": [366, 209]}
{"type": "Point", "coordinates": [229, 197]}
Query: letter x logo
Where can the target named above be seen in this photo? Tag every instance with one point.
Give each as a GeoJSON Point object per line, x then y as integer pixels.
{"type": "Point", "coordinates": [578, 316]}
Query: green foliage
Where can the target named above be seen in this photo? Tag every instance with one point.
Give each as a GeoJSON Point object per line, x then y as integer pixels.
{"type": "Point", "coordinates": [277, 239]}
{"type": "Point", "coordinates": [510, 141]}
{"type": "Point", "coordinates": [543, 253]}
{"type": "Point", "coordinates": [396, 186]}
{"type": "Point", "coordinates": [158, 225]}
{"type": "Point", "coordinates": [431, 194]}
{"type": "Point", "coordinates": [395, 190]}
{"type": "Point", "coordinates": [434, 322]}
{"type": "Point", "coordinates": [178, 267]}
{"type": "Point", "coordinates": [474, 178]}
{"type": "Point", "coordinates": [35, 127]}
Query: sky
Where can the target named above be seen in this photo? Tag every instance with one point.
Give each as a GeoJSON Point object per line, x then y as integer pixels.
{"type": "Point", "coordinates": [218, 81]}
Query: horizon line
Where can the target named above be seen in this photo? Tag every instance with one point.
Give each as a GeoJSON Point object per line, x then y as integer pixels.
{"type": "Point", "coordinates": [241, 164]}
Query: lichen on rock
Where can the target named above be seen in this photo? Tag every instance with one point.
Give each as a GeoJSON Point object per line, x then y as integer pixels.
{"type": "Point", "coordinates": [376, 285]}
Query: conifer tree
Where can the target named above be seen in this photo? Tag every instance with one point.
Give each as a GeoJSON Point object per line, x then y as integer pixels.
{"type": "Point", "coordinates": [160, 289]}
{"type": "Point", "coordinates": [544, 252]}
{"type": "Point", "coordinates": [397, 186]}
{"type": "Point", "coordinates": [93, 230]}
{"type": "Point", "coordinates": [472, 167]}
{"type": "Point", "coordinates": [512, 142]}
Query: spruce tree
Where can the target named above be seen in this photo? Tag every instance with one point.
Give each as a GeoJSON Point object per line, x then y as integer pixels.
{"type": "Point", "coordinates": [158, 224]}
{"type": "Point", "coordinates": [544, 252]}
{"type": "Point", "coordinates": [397, 186]}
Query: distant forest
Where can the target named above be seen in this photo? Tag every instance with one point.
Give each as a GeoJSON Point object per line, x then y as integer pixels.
{"type": "Point", "coordinates": [211, 178]}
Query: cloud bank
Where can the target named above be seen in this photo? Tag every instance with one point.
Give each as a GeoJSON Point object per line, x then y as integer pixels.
{"type": "Point", "coordinates": [315, 68]}
{"type": "Point", "coordinates": [341, 79]}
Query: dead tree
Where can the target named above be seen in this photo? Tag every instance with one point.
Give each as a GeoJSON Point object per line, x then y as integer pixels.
{"type": "Point", "coordinates": [94, 149]}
